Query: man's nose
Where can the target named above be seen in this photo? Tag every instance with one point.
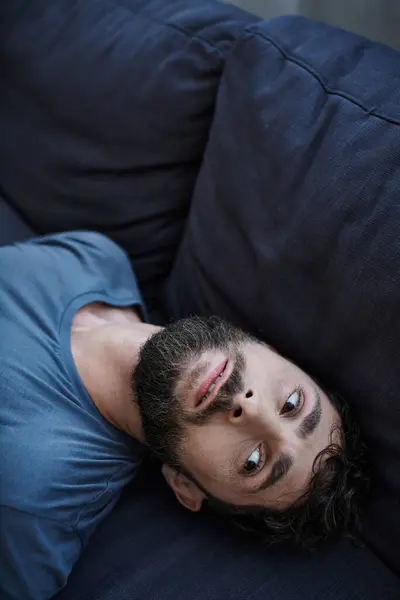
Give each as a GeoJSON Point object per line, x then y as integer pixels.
{"type": "Point", "coordinates": [254, 411]}
{"type": "Point", "coordinates": [244, 406]}
{"type": "Point", "coordinates": [252, 408]}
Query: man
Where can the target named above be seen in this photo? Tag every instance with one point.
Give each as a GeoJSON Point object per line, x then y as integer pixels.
{"type": "Point", "coordinates": [245, 431]}
{"type": "Point", "coordinates": [85, 382]}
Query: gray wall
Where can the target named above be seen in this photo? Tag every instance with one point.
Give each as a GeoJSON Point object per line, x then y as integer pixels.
{"type": "Point", "coordinates": [377, 19]}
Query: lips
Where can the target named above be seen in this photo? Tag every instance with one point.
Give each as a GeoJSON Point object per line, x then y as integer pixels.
{"type": "Point", "coordinates": [210, 383]}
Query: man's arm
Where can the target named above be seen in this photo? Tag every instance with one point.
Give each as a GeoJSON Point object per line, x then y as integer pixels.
{"type": "Point", "coordinates": [36, 555]}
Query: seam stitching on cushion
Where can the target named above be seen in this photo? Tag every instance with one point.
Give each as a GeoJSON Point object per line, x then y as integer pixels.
{"type": "Point", "coordinates": [296, 60]}
{"type": "Point", "coordinates": [150, 17]}
{"type": "Point", "coordinates": [192, 36]}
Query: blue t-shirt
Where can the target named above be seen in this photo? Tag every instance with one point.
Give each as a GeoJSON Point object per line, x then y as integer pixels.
{"type": "Point", "coordinates": [62, 464]}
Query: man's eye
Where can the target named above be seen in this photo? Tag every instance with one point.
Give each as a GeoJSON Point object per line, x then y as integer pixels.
{"type": "Point", "coordinates": [252, 464]}
{"type": "Point", "coordinates": [293, 403]}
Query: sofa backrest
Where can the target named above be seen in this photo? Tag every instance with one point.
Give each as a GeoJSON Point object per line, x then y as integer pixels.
{"type": "Point", "coordinates": [105, 110]}
{"type": "Point", "coordinates": [294, 231]}
{"type": "Point", "coordinates": [12, 227]}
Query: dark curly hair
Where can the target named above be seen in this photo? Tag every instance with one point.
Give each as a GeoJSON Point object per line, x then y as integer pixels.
{"type": "Point", "coordinates": [331, 503]}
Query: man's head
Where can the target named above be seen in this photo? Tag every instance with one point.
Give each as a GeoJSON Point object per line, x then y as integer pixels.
{"type": "Point", "coordinates": [242, 428]}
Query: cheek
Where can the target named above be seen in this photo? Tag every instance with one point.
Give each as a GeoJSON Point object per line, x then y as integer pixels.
{"type": "Point", "coordinates": [208, 451]}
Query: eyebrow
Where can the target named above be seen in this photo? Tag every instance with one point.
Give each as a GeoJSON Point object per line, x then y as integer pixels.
{"type": "Point", "coordinates": [279, 470]}
{"type": "Point", "coordinates": [311, 421]}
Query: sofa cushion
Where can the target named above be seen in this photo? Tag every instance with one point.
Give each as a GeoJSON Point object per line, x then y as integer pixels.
{"type": "Point", "coordinates": [294, 231]}
{"type": "Point", "coordinates": [12, 227]}
{"type": "Point", "coordinates": [150, 548]}
{"type": "Point", "coordinates": [105, 111]}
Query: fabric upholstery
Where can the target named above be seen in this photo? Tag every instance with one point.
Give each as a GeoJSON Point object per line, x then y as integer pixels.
{"type": "Point", "coordinates": [149, 548]}
{"type": "Point", "coordinates": [105, 111]}
{"type": "Point", "coordinates": [12, 227]}
{"type": "Point", "coordinates": [295, 222]}
{"type": "Point", "coordinates": [104, 117]}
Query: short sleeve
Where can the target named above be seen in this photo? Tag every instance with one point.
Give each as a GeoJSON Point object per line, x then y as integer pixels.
{"type": "Point", "coordinates": [85, 251]}
{"type": "Point", "coordinates": [52, 549]}
{"type": "Point", "coordinates": [75, 263]}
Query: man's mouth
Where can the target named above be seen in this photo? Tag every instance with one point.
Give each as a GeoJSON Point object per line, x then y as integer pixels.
{"type": "Point", "coordinates": [212, 382]}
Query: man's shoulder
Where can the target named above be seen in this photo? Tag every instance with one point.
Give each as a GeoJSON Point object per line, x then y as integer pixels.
{"type": "Point", "coordinates": [41, 278]}
{"type": "Point", "coordinates": [81, 242]}
{"type": "Point", "coordinates": [80, 245]}
{"type": "Point", "coordinates": [79, 248]}
{"type": "Point", "coordinates": [46, 273]}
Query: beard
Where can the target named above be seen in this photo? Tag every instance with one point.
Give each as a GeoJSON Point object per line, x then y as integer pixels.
{"type": "Point", "coordinates": [162, 361]}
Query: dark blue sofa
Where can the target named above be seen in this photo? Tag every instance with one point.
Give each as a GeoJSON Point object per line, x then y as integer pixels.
{"type": "Point", "coordinates": [250, 169]}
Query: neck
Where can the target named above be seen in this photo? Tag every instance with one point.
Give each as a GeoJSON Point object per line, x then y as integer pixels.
{"type": "Point", "coordinates": [106, 356]}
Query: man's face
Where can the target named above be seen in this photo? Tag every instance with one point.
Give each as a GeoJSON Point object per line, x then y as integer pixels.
{"type": "Point", "coordinates": [252, 423]}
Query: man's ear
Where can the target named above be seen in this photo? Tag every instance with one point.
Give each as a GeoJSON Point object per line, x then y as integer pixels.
{"type": "Point", "coordinates": [187, 492]}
